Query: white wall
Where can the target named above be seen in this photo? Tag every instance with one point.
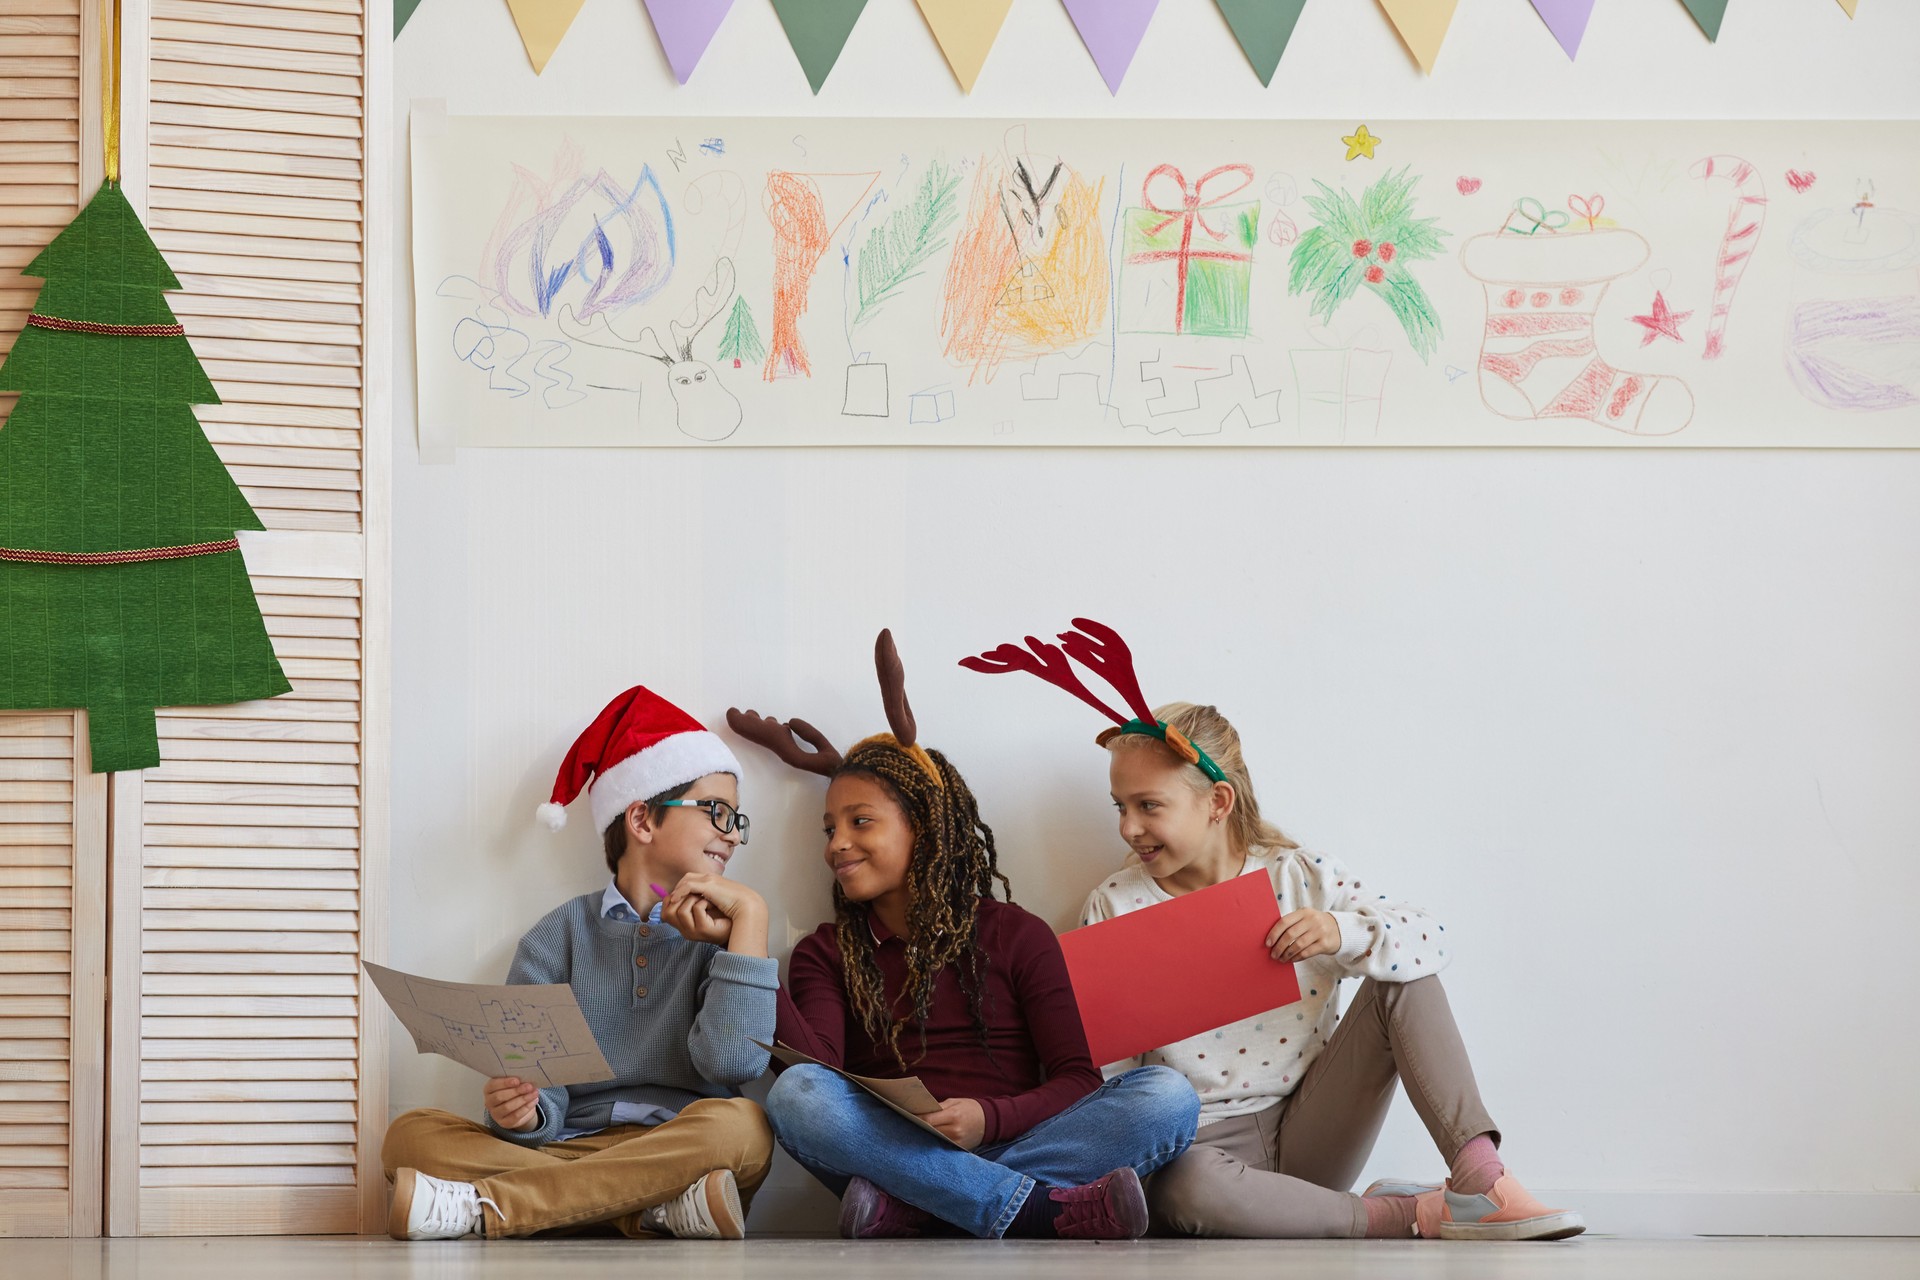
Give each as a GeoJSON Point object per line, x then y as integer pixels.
{"type": "Point", "coordinates": [1642, 727]}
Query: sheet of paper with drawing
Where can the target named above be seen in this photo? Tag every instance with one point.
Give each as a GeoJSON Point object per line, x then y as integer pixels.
{"type": "Point", "coordinates": [1179, 968]}
{"type": "Point", "coordinates": [710, 281]}
{"type": "Point", "coordinates": [534, 1032]}
{"type": "Point", "coordinates": [907, 1096]}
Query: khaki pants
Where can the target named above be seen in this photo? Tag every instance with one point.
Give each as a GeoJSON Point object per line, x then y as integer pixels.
{"type": "Point", "coordinates": [605, 1177]}
{"type": "Point", "coordinates": [1284, 1173]}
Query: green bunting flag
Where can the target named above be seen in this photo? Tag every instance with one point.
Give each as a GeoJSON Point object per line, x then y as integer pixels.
{"type": "Point", "coordinates": [121, 583]}
{"type": "Point", "coordinates": [1263, 28]}
{"type": "Point", "coordinates": [1709, 14]}
{"type": "Point", "coordinates": [818, 31]}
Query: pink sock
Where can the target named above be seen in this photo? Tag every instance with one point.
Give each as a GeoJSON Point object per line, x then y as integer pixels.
{"type": "Point", "coordinates": [1476, 1168]}
{"type": "Point", "coordinates": [1389, 1217]}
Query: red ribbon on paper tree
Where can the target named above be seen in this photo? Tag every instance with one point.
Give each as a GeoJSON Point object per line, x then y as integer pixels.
{"type": "Point", "coordinates": [1188, 208]}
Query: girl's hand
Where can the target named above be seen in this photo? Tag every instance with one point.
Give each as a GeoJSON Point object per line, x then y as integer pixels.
{"type": "Point", "coordinates": [513, 1103]}
{"type": "Point", "coordinates": [1302, 935]}
{"type": "Point", "coordinates": [961, 1119]}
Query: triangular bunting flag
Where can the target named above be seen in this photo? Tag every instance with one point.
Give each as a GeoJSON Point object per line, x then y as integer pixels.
{"type": "Point", "coordinates": [1423, 26]}
{"type": "Point", "coordinates": [685, 27]}
{"type": "Point", "coordinates": [543, 24]}
{"type": "Point", "coordinates": [1112, 30]}
{"type": "Point", "coordinates": [1263, 28]}
{"type": "Point", "coordinates": [966, 30]}
{"type": "Point", "coordinates": [1849, 5]}
{"type": "Point", "coordinates": [402, 10]}
{"type": "Point", "coordinates": [818, 31]}
{"type": "Point", "coordinates": [1709, 14]}
{"type": "Point", "coordinates": [1567, 19]}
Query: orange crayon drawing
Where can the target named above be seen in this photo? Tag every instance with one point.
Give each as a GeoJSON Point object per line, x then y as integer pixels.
{"type": "Point", "coordinates": [1028, 273]}
{"type": "Point", "coordinates": [797, 206]}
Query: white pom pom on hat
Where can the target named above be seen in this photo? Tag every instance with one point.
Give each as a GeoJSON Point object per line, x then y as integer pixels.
{"type": "Point", "coordinates": [638, 746]}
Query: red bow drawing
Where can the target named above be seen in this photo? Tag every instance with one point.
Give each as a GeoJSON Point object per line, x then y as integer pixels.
{"type": "Point", "coordinates": [1187, 207]}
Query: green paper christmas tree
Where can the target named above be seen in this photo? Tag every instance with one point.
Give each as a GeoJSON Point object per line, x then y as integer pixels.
{"type": "Point", "coordinates": [121, 583]}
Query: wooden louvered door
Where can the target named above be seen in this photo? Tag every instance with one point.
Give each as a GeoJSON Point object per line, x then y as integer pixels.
{"type": "Point", "coordinates": [52, 971]}
{"type": "Point", "coordinates": [248, 1091]}
{"type": "Point", "coordinates": [52, 810]}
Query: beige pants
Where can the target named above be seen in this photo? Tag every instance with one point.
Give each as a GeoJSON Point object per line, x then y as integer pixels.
{"type": "Point", "coordinates": [606, 1177]}
{"type": "Point", "coordinates": [1284, 1173]}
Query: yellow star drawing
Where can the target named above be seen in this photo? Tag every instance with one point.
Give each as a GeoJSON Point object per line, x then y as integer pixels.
{"type": "Point", "coordinates": [1360, 143]}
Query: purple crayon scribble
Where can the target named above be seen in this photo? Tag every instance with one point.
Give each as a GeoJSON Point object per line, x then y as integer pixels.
{"type": "Point", "coordinates": [623, 256]}
{"type": "Point", "coordinates": [1860, 354]}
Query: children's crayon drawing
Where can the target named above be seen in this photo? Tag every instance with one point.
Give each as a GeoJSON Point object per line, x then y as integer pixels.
{"type": "Point", "coordinates": [536, 1033]}
{"type": "Point", "coordinates": [595, 282]}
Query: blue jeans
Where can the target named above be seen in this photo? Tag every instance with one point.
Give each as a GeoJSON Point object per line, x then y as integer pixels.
{"type": "Point", "coordinates": [837, 1131]}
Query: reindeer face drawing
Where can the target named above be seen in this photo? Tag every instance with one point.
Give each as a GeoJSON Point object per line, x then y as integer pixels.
{"type": "Point", "coordinates": [703, 408]}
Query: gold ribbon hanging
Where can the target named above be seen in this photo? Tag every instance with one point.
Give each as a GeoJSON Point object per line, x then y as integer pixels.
{"type": "Point", "coordinates": [110, 87]}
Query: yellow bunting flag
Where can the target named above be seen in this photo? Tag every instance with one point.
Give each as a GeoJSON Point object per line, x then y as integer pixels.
{"type": "Point", "coordinates": [543, 24]}
{"type": "Point", "coordinates": [1423, 26]}
{"type": "Point", "coordinates": [1848, 5]}
{"type": "Point", "coordinates": [966, 30]}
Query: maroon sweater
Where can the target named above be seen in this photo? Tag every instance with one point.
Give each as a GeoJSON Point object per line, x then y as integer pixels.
{"type": "Point", "coordinates": [1040, 1065]}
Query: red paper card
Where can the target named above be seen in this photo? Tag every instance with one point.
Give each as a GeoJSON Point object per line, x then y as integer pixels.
{"type": "Point", "coordinates": [1179, 968]}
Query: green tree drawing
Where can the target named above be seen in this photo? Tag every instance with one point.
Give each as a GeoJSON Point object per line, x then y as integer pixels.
{"type": "Point", "coordinates": [121, 583]}
{"type": "Point", "coordinates": [740, 340]}
{"type": "Point", "coordinates": [898, 248]}
{"type": "Point", "coordinates": [1368, 244]}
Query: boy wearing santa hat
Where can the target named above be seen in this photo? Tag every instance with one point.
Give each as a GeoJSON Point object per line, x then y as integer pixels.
{"type": "Point", "coordinates": [675, 996]}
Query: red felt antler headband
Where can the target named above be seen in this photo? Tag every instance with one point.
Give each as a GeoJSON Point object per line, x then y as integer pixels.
{"type": "Point", "coordinates": [1100, 649]}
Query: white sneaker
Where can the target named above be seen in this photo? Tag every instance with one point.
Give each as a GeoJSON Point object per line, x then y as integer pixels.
{"type": "Point", "coordinates": [429, 1208]}
{"type": "Point", "coordinates": [707, 1210]}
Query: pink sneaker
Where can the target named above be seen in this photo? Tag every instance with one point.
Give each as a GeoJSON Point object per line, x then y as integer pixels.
{"type": "Point", "coordinates": [1508, 1212]}
{"type": "Point", "coordinates": [1426, 1202]}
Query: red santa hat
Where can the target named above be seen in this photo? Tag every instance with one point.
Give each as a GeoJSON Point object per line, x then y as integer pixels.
{"type": "Point", "coordinates": [639, 746]}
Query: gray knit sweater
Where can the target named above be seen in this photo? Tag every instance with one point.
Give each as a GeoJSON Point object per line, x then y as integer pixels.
{"type": "Point", "coordinates": [676, 1019]}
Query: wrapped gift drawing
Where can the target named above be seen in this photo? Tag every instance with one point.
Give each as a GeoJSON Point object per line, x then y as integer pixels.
{"type": "Point", "coordinates": [1339, 389]}
{"type": "Point", "coordinates": [1188, 254]}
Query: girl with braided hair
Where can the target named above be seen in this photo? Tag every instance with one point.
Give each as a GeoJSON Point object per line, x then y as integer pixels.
{"type": "Point", "coordinates": [924, 972]}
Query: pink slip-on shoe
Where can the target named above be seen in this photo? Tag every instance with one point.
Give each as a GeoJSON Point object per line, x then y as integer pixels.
{"type": "Point", "coordinates": [1426, 1202]}
{"type": "Point", "coordinates": [1508, 1212]}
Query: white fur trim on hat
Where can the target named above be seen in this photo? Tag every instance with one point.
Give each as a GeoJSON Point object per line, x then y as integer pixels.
{"type": "Point", "coordinates": [551, 816]}
{"type": "Point", "coordinates": [671, 762]}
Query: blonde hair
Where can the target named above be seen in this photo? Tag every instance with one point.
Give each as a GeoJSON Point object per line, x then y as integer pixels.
{"type": "Point", "coordinates": [1207, 729]}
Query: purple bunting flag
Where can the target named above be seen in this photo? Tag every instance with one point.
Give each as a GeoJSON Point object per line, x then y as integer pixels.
{"type": "Point", "coordinates": [685, 28]}
{"type": "Point", "coordinates": [1567, 19]}
{"type": "Point", "coordinates": [1112, 31]}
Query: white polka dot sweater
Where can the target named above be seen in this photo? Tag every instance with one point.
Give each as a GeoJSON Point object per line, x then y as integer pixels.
{"type": "Point", "coordinates": [1250, 1065]}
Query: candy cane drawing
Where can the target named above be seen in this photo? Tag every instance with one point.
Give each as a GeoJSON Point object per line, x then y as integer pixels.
{"type": "Point", "coordinates": [1744, 221]}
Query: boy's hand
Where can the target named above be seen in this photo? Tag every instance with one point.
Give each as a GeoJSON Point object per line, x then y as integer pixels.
{"type": "Point", "coordinates": [696, 918]}
{"type": "Point", "coordinates": [1302, 935]}
{"type": "Point", "coordinates": [718, 910]}
{"type": "Point", "coordinates": [961, 1119]}
{"type": "Point", "coordinates": [513, 1103]}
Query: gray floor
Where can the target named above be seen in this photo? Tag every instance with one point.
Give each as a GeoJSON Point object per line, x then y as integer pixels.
{"type": "Point", "coordinates": [1588, 1258]}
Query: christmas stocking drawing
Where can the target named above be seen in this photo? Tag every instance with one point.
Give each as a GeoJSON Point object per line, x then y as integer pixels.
{"type": "Point", "coordinates": [1540, 358]}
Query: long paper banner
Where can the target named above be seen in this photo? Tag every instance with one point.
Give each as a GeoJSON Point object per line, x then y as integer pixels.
{"type": "Point", "coordinates": [695, 281]}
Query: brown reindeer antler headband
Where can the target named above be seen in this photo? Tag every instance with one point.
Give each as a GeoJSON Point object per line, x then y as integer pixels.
{"type": "Point", "coordinates": [1100, 649]}
{"type": "Point", "coordinates": [785, 737]}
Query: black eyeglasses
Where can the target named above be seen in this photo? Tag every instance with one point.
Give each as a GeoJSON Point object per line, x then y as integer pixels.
{"type": "Point", "coordinates": [726, 818]}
